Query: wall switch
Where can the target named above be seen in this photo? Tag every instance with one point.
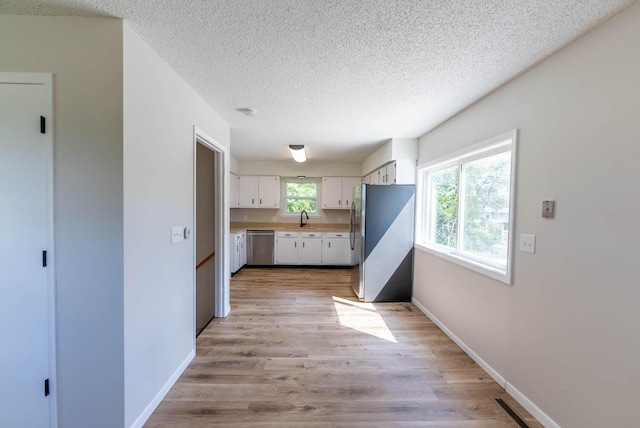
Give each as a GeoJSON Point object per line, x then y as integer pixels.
{"type": "Point", "coordinates": [547, 209]}
{"type": "Point", "coordinates": [528, 243]}
{"type": "Point", "coordinates": [177, 234]}
{"type": "Point", "coordinates": [246, 217]}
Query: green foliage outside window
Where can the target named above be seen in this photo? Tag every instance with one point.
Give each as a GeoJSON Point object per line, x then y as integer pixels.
{"type": "Point", "coordinates": [301, 196]}
{"type": "Point", "coordinates": [486, 206]}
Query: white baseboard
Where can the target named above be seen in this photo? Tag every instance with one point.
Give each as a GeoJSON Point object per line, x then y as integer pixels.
{"type": "Point", "coordinates": [151, 407]}
{"type": "Point", "coordinates": [535, 411]}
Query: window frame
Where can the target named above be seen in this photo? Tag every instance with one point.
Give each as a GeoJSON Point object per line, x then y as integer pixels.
{"type": "Point", "coordinates": [286, 180]}
{"type": "Point", "coordinates": [499, 144]}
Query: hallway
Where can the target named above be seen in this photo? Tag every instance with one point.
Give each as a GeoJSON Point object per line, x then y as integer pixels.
{"type": "Point", "coordinates": [298, 350]}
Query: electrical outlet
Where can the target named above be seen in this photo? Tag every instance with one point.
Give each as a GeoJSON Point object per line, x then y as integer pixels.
{"type": "Point", "coordinates": [177, 234]}
{"type": "Point", "coordinates": [246, 217]}
{"type": "Point", "coordinates": [528, 243]}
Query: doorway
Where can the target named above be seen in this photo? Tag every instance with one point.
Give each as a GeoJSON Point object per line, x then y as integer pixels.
{"type": "Point", "coordinates": [211, 296]}
{"type": "Point", "coordinates": [27, 318]}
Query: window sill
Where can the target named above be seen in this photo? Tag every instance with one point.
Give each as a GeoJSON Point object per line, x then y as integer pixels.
{"type": "Point", "coordinates": [473, 265]}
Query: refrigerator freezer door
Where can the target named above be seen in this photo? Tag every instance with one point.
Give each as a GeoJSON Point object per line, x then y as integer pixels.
{"type": "Point", "coordinates": [387, 224]}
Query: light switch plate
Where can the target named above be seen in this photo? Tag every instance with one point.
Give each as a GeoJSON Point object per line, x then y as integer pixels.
{"type": "Point", "coordinates": [177, 234]}
{"type": "Point", "coordinates": [528, 243]}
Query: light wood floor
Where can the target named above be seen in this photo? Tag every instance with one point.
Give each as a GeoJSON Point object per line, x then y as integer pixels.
{"type": "Point", "coordinates": [298, 350]}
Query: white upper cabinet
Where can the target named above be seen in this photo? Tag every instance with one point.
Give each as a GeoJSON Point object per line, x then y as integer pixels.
{"type": "Point", "coordinates": [332, 192]}
{"type": "Point", "coordinates": [247, 191]}
{"type": "Point", "coordinates": [233, 190]}
{"type": "Point", "coordinates": [337, 192]}
{"type": "Point", "coordinates": [401, 171]}
{"type": "Point", "coordinates": [258, 191]}
{"type": "Point", "coordinates": [348, 183]}
{"type": "Point", "coordinates": [269, 191]}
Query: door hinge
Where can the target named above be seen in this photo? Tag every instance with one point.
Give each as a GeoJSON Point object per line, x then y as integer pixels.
{"type": "Point", "coordinates": [44, 259]}
{"type": "Point", "coordinates": [46, 387]}
{"type": "Point", "coordinates": [42, 125]}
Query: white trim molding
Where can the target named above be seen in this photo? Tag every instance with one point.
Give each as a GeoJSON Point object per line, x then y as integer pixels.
{"type": "Point", "coordinates": [535, 411]}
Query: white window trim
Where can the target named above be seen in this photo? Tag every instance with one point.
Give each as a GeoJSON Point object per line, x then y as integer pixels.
{"type": "Point", "coordinates": [285, 180]}
{"type": "Point", "coordinates": [491, 146]}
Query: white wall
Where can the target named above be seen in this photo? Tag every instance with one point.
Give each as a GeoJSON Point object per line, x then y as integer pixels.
{"type": "Point", "coordinates": [565, 334]}
{"type": "Point", "coordinates": [85, 56]}
{"type": "Point", "coordinates": [160, 110]}
{"type": "Point", "coordinates": [291, 168]}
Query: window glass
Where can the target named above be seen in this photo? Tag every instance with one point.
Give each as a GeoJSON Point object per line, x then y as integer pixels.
{"type": "Point", "coordinates": [443, 193]}
{"type": "Point", "coordinates": [301, 196]}
{"type": "Point", "coordinates": [486, 207]}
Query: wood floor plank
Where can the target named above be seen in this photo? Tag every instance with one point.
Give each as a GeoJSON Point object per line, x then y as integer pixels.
{"type": "Point", "coordinates": [299, 350]}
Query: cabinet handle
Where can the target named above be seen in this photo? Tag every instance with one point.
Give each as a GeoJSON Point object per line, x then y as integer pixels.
{"type": "Point", "coordinates": [303, 245]}
{"type": "Point", "coordinates": [347, 204]}
{"type": "Point", "coordinates": [260, 201]}
{"type": "Point", "coordinates": [252, 201]}
{"type": "Point", "coordinates": [339, 202]}
{"type": "Point", "coordinates": [295, 244]}
{"type": "Point", "coordinates": [329, 244]}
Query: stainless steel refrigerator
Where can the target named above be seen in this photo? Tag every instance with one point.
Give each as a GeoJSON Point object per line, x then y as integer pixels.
{"type": "Point", "coordinates": [381, 233]}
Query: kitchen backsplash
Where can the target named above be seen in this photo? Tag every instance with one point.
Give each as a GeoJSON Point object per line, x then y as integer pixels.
{"type": "Point", "coordinates": [270, 216]}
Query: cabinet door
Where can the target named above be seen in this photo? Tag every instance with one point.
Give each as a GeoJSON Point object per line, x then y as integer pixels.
{"type": "Point", "coordinates": [331, 192]}
{"type": "Point", "coordinates": [287, 251]}
{"type": "Point", "coordinates": [269, 192]}
{"type": "Point", "coordinates": [337, 251]}
{"type": "Point", "coordinates": [233, 190]}
{"type": "Point", "coordinates": [348, 183]}
{"type": "Point", "coordinates": [247, 191]}
{"type": "Point", "coordinates": [242, 251]}
{"type": "Point", "coordinates": [310, 251]}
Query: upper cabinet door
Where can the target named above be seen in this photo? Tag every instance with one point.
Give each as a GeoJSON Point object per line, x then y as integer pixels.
{"type": "Point", "coordinates": [332, 192]}
{"type": "Point", "coordinates": [233, 190]}
{"type": "Point", "coordinates": [247, 191]}
{"type": "Point", "coordinates": [348, 183]}
{"type": "Point", "coordinates": [269, 191]}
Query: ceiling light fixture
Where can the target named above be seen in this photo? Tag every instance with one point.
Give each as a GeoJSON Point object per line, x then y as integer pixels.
{"type": "Point", "coordinates": [298, 153]}
{"type": "Point", "coordinates": [248, 111]}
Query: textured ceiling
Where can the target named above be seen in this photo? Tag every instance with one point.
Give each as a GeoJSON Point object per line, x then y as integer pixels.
{"type": "Point", "coordinates": [341, 76]}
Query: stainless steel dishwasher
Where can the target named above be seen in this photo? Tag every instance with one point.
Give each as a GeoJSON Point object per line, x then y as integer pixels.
{"type": "Point", "coordinates": [259, 247]}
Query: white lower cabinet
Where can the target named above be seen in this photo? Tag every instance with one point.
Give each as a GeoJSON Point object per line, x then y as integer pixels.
{"type": "Point", "coordinates": [310, 248]}
{"type": "Point", "coordinates": [336, 249]}
{"type": "Point", "coordinates": [313, 248]}
{"type": "Point", "coordinates": [298, 248]}
{"type": "Point", "coordinates": [237, 251]}
{"type": "Point", "coordinates": [286, 248]}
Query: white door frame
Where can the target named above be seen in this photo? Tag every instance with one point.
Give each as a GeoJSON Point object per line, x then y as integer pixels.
{"type": "Point", "coordinates": [46, 80]}
{"type": "Point", "coordinates": [221, 196]}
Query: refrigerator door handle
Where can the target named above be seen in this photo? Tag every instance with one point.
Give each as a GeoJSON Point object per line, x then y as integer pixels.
{"type": "Point", "coordinates": [352, 226]}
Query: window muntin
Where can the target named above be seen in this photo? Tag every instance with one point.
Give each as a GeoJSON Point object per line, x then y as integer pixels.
{"type": "Point", "coordinates": [301, 195]}
{"type": "Point", "coordinates": [466, 206]}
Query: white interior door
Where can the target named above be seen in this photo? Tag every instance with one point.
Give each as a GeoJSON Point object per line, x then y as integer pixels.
{"type": "Point", "coordinates": [24, 307]}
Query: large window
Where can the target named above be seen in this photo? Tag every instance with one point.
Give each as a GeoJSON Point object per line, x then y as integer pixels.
{"type": "Point", "coordinates": [466, 206]}
{"type": "Point", "coordinates": [300, 194]}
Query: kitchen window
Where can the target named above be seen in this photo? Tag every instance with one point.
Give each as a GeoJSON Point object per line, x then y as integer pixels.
{"type": "Point", "coordinates": [465, 207]}
{"type": "Point", "coordinates": [301, 194]}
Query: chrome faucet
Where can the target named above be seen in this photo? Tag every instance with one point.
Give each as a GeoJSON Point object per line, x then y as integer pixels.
{"type": "Point", "coordinates": [305, 213]}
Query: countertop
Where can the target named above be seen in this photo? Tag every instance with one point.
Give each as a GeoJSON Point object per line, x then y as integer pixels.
{"type": "Point", "coordinates": [320, 227]}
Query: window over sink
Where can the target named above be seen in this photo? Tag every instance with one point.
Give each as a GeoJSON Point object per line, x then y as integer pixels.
{"type": "Point", "coordinates": [300, 194]}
